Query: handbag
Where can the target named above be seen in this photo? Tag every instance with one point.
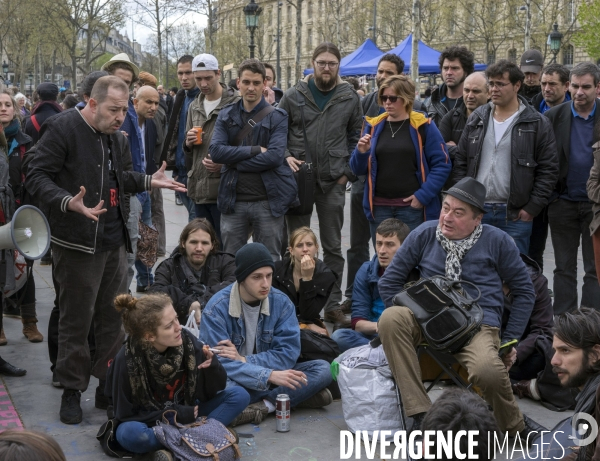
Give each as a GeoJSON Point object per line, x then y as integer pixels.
{"type": "Point", "coordinates": [448, 317]}
{"type": "Point", "coordinates": [108, 441]}
{"type": "Point", "coordinates": [203, 439]}
{"type": "Point", "coordinates": [316, 346]}
{"type": "Point", "coordinates": [147, 245]}
{"type": "Point", "coordinates": [304, 175]}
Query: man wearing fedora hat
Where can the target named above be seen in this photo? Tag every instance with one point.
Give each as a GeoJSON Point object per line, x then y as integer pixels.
{"type": "Point", "coordinates": [459, 247]}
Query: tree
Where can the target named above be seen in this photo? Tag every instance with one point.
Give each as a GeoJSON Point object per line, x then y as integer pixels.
{"type": "Point", "coordinates": [156, 15]}
{"type": "Point", "coordinates": [587, 36]}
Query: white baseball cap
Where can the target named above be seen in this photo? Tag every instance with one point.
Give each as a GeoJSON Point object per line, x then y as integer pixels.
{"type": "Point", "coordinates": [205, 62]}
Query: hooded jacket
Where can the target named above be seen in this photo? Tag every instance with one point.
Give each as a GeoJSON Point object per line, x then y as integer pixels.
{"type": "Point", "coordinates": [332, 134]}
{"type": "Point", "coordinates": [534, 160]}
{"type": "Point", "coordinates": [433, 162]}
{"type": "Point", "coordinates": [203, 186]}
{"type": "Point", "coordinates": [42, 111]}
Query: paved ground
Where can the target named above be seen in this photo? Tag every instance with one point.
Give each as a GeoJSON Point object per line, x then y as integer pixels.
{"type": "Point", "coordinates": [314, 434]}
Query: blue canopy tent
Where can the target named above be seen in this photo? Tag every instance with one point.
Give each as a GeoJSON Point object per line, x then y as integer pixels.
{"type": "Point", "coordinates": [428, 60]}
{"type": "Point", "coordinates": [368, 50]}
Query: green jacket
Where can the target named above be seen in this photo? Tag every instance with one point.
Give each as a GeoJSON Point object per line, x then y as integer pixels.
{"type": "Point", "coordinates": [332, 133]}
{"type": "Point", "coordinates": [203, 186]}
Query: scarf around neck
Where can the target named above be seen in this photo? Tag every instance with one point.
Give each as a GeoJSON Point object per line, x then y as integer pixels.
{"type": "Point", "coordinates": [456, 251]}
{"type": "Point", "coordinates": [10, 132]}
{"type": "Point", "coordinates": [167, 371]}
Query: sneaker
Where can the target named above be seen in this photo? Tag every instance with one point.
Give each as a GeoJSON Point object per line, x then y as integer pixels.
{"type": "Point", "coordinates": [319, 400]}
{"type": "Point", "coordinates": [141, 288]}
{"type": "Point", "coordinates": [253, 413]}
{"type": "Point", "coordinates": [346, 306]}
{"type": "Point", "coordinates": [162, 455]}
{"type": "Point", "coordinates": [55, 381]}
{"type": "Point", "coordinates": [102, 401]}
{"type": "Point", "coordinates": [348, 186]}
{"type": "Point", "coordinates": [70, 407]}
{"type": "Point", "coordinates": [178, 201]}
{"type": "Point", "coordinates": [338, 318]}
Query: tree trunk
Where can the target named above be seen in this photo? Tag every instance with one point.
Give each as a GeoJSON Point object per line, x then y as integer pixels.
{"type": "Point", "coordinates": [298, 39]}
{"type": "Point", "coordinates": [414, 60]}
{"type": "Point", "coordinates": [53, 70]}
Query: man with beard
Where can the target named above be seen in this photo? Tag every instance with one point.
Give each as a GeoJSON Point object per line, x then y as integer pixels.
{"type": "Point", "coordinates": [456, 62]}
{"type": "Point", "coordinates": [360, 233]}
{"type": "Point", "coordinates": [532, 62]}
{"type": "Point", "coordinates": [195, 271]}
{"type": "Point", "coordinates": [576, 361]}
{"type": "Point", "coordinates": [327, 111]}
{"type": "Point", "coordinates": [570, 210]}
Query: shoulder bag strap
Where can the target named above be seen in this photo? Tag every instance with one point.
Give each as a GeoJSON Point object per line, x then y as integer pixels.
{"type": "Point", "coordinates": [35, 123]}
{"type": "Point", "coordinates": [301, 104]}
{"type": "Point", "coordinates": [252, 123]}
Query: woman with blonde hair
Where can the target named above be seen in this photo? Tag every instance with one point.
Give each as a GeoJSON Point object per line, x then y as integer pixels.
{"type": "Point", "coordinates": [404, 157]}
{"type": "Point", "coordinates": [305, 279]}
{"type": "Point", "coordinates": [163, 366]}
{"type": "Point", "coordinates": [22, 445]}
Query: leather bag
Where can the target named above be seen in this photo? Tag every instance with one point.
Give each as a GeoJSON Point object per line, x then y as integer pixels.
{"type": "Point", "coordinates": [304, 175]}
{"type": "Point", "coordinates": [448, 317]}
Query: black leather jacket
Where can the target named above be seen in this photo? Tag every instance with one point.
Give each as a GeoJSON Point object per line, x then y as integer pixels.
{"type": "Point", "coordinates": [435, 107]}
{"type": "Point", "coordinates": [534, 165]}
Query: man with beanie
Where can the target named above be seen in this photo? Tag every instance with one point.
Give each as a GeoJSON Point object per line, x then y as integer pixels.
{"type": "Point", "coordinates": [255, 328]}
{"type": "Point", "coordinates": [46, 108]}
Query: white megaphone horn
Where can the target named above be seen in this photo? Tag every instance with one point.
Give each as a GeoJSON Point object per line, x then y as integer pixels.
{"type": "Point", "coordinates": [28, 232]}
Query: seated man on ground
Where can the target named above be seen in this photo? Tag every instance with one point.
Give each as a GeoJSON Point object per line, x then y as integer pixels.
{"type": "Point", "coordinates": [367, 305]}
{"type": "Point", "coordinates": [460, 410]}
{"type": "Point", "coordinates": [195, 271]}
{"type": "Point", "coordinates": [256, 330]}
{"type": "Point", "coordinates": [576, 361]}
{"type": "Point", "coordinates": [461, 248]}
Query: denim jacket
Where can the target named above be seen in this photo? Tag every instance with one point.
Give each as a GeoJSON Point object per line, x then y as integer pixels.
{"type": "Point", "coordinates": [277, 335]}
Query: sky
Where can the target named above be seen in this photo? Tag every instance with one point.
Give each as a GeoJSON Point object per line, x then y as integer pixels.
{"type": "Point", "coordinates": [141, 33]}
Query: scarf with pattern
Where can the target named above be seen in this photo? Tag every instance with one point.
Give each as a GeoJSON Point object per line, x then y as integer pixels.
{"type": "Point", "coordinates": [456, 251]}
{"type": "Point", "coordinates": [157, 378]}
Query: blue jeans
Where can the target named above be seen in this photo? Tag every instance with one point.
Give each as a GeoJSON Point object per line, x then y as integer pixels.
{"type": "Point", "coordinates": [412, 217]}
{"type": "Point", "coordinates": [187, 202]}
{"type": "Point", "coordinates": [135, 211]}
{"type": "Point", "coordinates": [266, 228]}
{"type": "Point", "coordinates": [520, 231]}
{"type": "Point", "coordinates": [211, 212]}
{"type": "Point", "coordinates": [348, 339]}
{"type": "Point", "coordinates": [145, 277]}
{"type": "Point", "coordinates": [318, 377]}
{"type": "Point", "coordinates": [137, 437]}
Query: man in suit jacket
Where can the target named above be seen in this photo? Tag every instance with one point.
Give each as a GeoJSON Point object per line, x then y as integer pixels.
{"type": "Point", "coordinates": [570, 211]}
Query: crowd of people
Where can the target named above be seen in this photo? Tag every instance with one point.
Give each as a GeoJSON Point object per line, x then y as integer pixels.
{"type": "Point", "coordinates": [481, 172]}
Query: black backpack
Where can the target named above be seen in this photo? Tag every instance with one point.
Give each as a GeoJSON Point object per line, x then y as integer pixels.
{"type": "Point", "coordinates": [315, 346]}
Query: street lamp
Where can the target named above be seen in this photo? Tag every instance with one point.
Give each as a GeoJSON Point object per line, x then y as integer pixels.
{"type": "Point", "coordinates": [5, 70]}
{"type": "Point", "coordinates": [554, 40]}
{"type": "Point", "coordinates": [279, 5]}
{"type": "Point", "coordinates": [30, 82]}
{"type": "Point", "coordinates": [252, 12]}
{"type": "Point", "coordinates": [527, 8]}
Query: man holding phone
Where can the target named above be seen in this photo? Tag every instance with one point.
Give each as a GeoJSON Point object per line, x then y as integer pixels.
{"type": "Point", "coordinates": [204, 175]}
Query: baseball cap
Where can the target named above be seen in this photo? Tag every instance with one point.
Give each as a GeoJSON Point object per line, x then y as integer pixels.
{"type": "Point", "coordinates": [205, 62]}
{"type": "Point", "coordinates": [532, 61]}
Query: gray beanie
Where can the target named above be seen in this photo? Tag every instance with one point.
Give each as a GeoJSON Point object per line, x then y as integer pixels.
{"type": "Point", "coordinates": [250, 257]}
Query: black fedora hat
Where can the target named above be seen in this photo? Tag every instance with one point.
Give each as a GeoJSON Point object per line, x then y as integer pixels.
{"type": "Point", "coordinates": [470, 191]}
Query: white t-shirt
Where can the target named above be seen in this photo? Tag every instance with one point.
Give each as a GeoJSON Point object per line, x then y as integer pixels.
{"type": "Point", "coordinates": [501, 127]}
{"type": "Point", "coordinates": [209, 106]}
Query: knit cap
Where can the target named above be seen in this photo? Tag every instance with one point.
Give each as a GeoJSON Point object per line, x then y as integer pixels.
{"type": "Point", "coordinates": [251, 257]}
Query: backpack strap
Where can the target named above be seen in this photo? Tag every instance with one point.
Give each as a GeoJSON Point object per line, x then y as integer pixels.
{"type": "Point", "coordinates": [248, 127]}
{"type": "Point", "coordinates": [35, 123]}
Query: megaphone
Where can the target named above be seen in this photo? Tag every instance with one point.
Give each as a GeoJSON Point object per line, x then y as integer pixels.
{"type": "Point", "coordinates": [28, 232]}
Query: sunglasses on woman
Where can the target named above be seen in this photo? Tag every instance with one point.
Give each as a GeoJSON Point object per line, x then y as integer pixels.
{"type": "Point", "coordinates": [391, 99]}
